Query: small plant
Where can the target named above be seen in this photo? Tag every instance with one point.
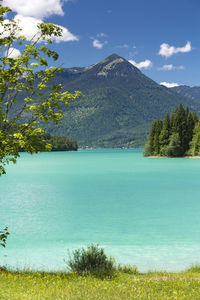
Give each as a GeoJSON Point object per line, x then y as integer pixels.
{"type": "Point", "coordinates": [193, 269]}
{"type": "Point", "coordinates": [91, 260]}
{"type": "Point", "coordinates": [3, 236]}
{"type": "Point", "coordinates": [129, 269]}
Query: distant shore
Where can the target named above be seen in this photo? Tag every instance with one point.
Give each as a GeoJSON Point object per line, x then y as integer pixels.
{"type": "Point", "coordinates": [157, 156]}
{"type": "Point", "coordinates": [191, 156]}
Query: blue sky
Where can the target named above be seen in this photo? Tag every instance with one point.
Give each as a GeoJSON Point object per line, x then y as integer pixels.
{"type": "Point", "coordinates": [161, 37]}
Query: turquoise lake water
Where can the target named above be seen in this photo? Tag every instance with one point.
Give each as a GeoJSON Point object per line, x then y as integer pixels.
{"type": "Point", "coordinates": [144, 211]}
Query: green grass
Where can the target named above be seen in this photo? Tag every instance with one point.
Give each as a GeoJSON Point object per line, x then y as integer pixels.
{"type": "Point", "coordinates": [153, 285]}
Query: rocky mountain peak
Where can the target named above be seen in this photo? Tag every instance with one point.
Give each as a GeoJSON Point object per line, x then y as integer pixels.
{"type": "Point", "coordinates": [113, 65]}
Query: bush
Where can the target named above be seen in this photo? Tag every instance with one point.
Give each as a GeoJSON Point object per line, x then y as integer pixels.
{"type": "Point", "coordinates": [146, 152]}
{"type": "Point", "coordinates": [91, 260]}
{"type": "Point", "coordinates": [3, 236]}
{"type": "Point", "coordinates": [129, 269]}
{"type": "Point", "coordinates": [193, 269]}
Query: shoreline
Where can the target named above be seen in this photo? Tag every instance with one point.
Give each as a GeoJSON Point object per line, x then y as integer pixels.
{"type": "Point", "coordinates": [123, 285]}
{"type": "Point", "coordinates": [157, 156]}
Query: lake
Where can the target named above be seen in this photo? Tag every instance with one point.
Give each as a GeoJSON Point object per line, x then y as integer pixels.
{"type": "Point", "coordinates": [144, 211]}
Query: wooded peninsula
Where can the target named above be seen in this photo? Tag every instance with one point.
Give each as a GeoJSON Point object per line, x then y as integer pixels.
{"type": "Point", "coordinates": [178, 135]}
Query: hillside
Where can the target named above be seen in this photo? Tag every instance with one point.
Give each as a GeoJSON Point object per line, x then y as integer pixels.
{"type": "Point", "coordinates": [118, 105]}
{"type": "Point", "coordinates": [187, 91]}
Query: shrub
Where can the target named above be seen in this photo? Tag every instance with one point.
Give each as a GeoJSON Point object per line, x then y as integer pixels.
{"type": "Point", "coordinates": [193, 269]}
{"type": "Point", "coordinates": [3, 269]}
{"type": "Point", "coordinates": [3, 236]}
{"type": "Point", "coordinates": [146, 151]}
{"type": "Point", "coordinates": [129, 269]}
{"type": "Point", "coordinates": [91, 260]}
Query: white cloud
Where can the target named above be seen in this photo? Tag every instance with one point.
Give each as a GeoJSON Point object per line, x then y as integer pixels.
{"type": "Point", "coordinates": [169, 85]}
{"type": "Point", "coordinates": [97, 44]}
{"type": "Point", "coordinates": [123, 46]}
{"type": "Point", "coordinates": [166, 67]}
{"type": "Point", "coordinates": [147, 64]}
{"type": "Point", "coordinates": [166, 50]}
{"type": "Point", "coordinates": [101, 34]}
{"type": "Point", "coordinates": [12, 53]}
{"type": "Point", "coordinates": [29, 29]}
{"type": "Point", "coordinates": [67, 36]}
{"type": "Point", "coordinates": [30, 13]}
{"type": "Point", "coordinates": [36, 8]}
{"type": "Point", "coordinates": [171, 67]}
{"type": "Point", "coordinates": [28, 26]}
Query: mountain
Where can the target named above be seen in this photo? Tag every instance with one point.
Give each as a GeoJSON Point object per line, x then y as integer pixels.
{"type": "Point", "coordinates": [118, 105]}
{"type": "Point", "coordinates": [189, 92]}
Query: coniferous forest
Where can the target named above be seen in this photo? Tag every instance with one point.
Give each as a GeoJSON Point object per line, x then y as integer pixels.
{"type": "Point", "coordinates": [58, 143]}
{"type": "Point", "coordinates": [177, 135]}
{"type": "Point", "coordinates": [61, 143]}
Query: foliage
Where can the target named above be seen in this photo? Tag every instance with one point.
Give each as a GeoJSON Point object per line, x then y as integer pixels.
{"type": "Point", "coordinates": [165, 132]}
{"type": "Point", "coordinates": [128, 269]}
{"type": "Point", "coordinates": [58, 143]}
{"type": "Point", "coordinates": [193, 269]}
{"type": "Point", "coordinates": [27, 100]}
{"type": "Point", "coordinates": [176, 136]}
{"type": "Point", "coordinates": [195, 143]}
{"type": "Point", "coordinates": [92, 260]}
{"type": "Point", "coordinates": [154, 140]}
{"type": "Point", "coordinates": [146, 152]}
{"type": "Point", "coordinates": [3, 236]}
{"type": "Point", "coordinates": [62, 143]}
{"type": "Point", "coordinates": [173, 149]}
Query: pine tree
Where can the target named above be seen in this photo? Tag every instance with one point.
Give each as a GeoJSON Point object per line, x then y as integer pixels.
{"type": "Point", "coordinates": [153, 145]}
{"type": "Point", "coordinates": [187, 111]}
{"type": "Point", "coordinates": [158, 128]}
{"type": "Point", "coordinates": [195, 117]}
{"type": "Point", "coordinates": [174, 148]}
{"type": "Point", "coordinates": [165, 133]}
{"type": "Point", "coordinates": [195, 144]}
{"type": "Point", "coordinates": [179, 125]}
{"type": "Point", "coordinates": [154, 141]}
{"type": "Point", "coordinates": [150, 145]}
{"type": "Point", "coordinates": [177, 135]}
{"type": "Point", "coordinates": [190, 128]}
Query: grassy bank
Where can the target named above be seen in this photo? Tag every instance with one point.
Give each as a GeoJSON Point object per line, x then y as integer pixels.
{"type": "Point", "coordinates": [154, 285]}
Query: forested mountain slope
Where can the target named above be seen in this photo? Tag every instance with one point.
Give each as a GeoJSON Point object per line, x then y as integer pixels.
{"type": "Point", "coordinates": [187, 91]}
{"type": "Point", "coordinates": [118, 105]}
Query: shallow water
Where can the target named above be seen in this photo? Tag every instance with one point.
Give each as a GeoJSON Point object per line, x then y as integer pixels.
{"type": "Point", "coordinates": [143, 211]}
